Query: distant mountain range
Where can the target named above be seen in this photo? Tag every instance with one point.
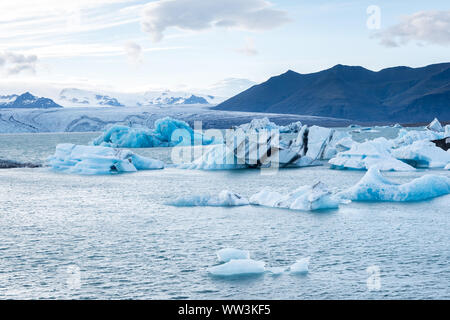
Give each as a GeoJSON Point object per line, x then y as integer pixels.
{"type": "Point", "coordinates": [400, 94]}
{"type": "Point", "coordinates": [26, 100]}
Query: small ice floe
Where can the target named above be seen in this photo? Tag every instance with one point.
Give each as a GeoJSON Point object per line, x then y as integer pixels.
{"type": "Point", "coordinates": [238, 268]}
{"type": "Point", "coordinates": [224, 199]}
{"type": "Point", "coordinates": [300, 267]}
{"type": "Point", "coordinates": [306, 198]}
{"type": "Point", "coordinates": [435, 125]}
{"type": "Point", "coordinates": [228, 254]}
{"type": "Point", "coordinates": [374, 187]}
{"type": "Point", "coordinates": [362, 156]}
{"type": "Point", "coordinates": [397, 125]}
{"type": "Point", "coordinates": [423, 154]}
{"type": "Point", "coordinates": [168, 132]}
{"type": "Point", "coordinates": [10, 164]}
{"type": "Point", "coordinates": [92, 160]}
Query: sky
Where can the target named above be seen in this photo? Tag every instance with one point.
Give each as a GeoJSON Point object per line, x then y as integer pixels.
{"type": "Point", "coordinates": [133, 46]}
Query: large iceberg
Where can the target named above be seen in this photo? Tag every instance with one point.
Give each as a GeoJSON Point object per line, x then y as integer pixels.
{"type": "Point", "coordinates": [435, 125]}
{"type": "Point", "coordinates": [305, 198]}
{"type": "Point", "coordinates": [238, 268]}
{"type": "Point", "coordinates": [264, 124]}
{"type": "Point", "coordinates": [168, 132]}
{"type": "Point", "coordinates": [374, 187]}
{"type": "Point", "coordinates": [406, 137]}
{"type": "Point", "coordinates": [423, 154]}
{"type": "Point", "coordinates": [228, 254]}
{"type": "Point", "coordinates": [78, 159]}
{"type": "Point", "coordinates": [365, 155]}
{"type": "Point", "coordinates": [224, 199]}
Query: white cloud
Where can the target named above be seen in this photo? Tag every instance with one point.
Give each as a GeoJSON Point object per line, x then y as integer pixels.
{"type": "Point", "coordinates": [249, 48]}
{"type": "Point", "coordinates": [424, 27]}
{"type": "Point", "coordinates": [134, 52]}
{"type": "Point", "coordinates": [15, 63]}
{"type": "Point", "coordinates": [199, 15]}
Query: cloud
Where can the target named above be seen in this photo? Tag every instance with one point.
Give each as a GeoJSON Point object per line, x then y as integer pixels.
{"type": "Point", "coordinates": [249, 48]}
{"type": "Point", "coordinates": [196, 15]}
{"type": "Point", "coordinates": [424, 27]}
{"type": "Point", "coordinates": [134, 52]}
{"type": "Point", "coordinates": [15, 63]}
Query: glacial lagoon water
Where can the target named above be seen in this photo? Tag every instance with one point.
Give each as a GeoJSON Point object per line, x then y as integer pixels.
{"type": "Point", "coordinates": [113, 237]}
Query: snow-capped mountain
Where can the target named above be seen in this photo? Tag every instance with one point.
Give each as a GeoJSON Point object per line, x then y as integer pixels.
{"type": "Point", "coordinates": [72, 97]}
{"type": "Point", "coordinates": [26, 100]}
{"type": "Point", "coordinates": [78, 97]}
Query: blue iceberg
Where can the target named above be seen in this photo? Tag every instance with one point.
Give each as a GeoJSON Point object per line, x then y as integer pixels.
{"type": "Point", "coordinates": [374, 187]}
{"type": "Point", "coordinates": [238, 268]}
{"type": "Point", "coordinates": [224, 199]}
{"type": "Point", "coordinates": [90, 160]}
{"type": "Point", "coordinates": [168, 132]}
{"type": "Point", "coordinates": [228, 254]}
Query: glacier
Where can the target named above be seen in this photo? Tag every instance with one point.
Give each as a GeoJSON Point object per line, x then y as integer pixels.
{"type": "Point", "coordinates": [374, 187]}
{"type": "Point", "coordinates": [238, 268]}
{"type": "Point", "coordinates": [224, 199]}
{"type": "Point", "coordinates": [362, 156]}
{"type": "Point", "coordinates": [301, 266]}
{"type": "Point", "coordinates": [90, 160]}
{"type": "Point", "coordinates": [305, 198]}
{"type": "Point", "coordinates": [228, 254]}
{"type": "Point", "coordinates": [168, 132]}
{"type": "Point", "coordinates": [423, 154]}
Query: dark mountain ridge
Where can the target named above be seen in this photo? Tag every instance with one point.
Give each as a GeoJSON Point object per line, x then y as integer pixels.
{"type": "Point", "coordinates": [398, 94]}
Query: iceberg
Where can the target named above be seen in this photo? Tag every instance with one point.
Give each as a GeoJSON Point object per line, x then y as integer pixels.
{"type": "Point", "coordinates": [447, 131]}
{"type": "Point", "coordinates": [238, 268]}
{"type": "Point", "coordinates": [300, 267]}
{"type": "Point", "coordinates": [224, 199]}
{"type": "Point", "coordinates": [435, 125]}
{"type": "Point", "coordinates": [406, 137]}
{"type": "Point", "coordinates": [305, 198]}
{"type": "Point", "coordinates": [374, 187]}
{"type": "Point", "coordinates": [264, 124]}
{"type": "Point", "coordinates": [228, 254]}
{"type": "Point", "coordinates": [423, 154]}
{"type": "Point", "coordinates": [90, 160]}
{"type": "Point", "coordinates": [365, 155]}
{"type": "Point", "coordinates": [168, 132]}
{"type": "Point", "coordinates": [447, 167]}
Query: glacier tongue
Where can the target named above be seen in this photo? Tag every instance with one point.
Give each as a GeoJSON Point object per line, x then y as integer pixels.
{"type": "Point", "coordinates": [374, 187]}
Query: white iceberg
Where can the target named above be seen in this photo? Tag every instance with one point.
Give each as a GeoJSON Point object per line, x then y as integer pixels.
{"type": "Point", "coordinates": [406, 137]}
{"type": "Point", "coordinates": [374, 187]}
{"type": "Point", "coordinates": [300, 267]}
{"type": "Point", "coordinates": [365, 155]}
{"type": "Point", "coordinates": [423, 154]}
{"type": "Point", "coordinates": [224, 199]}
{"type": "Point", "coordinates": [238, 268]}
{"type": "Point", "coordinates": [435, 125]}
{"type": "Point", "coordinates": [228, 254]}
{"type": "Point", "coordinates": [306, 198]}
{"type": "Point", "coordinates": [264, 124]}
{"type": "Point", "coordinates": [168, 132]}
{"type": "Point", "coordinates": [78, 159]}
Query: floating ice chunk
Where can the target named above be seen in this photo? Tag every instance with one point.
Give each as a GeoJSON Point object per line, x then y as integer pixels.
{"type": "Point", "coordinates": [435, 125]}
{"type": "Point", "coordinates": [447, 131]}
{"type": "Point", "coordinates": [224, 199]}
{"type": "Point", "coordinates": [406, 137]}
{"type": "Point", "coordinates": [300, 267]}
{"type": "Point", "coordinates": [362, 156]}
{"type": "Point", "coordinates": [215, 157]}
{"type": "Point", "coordinates": [238, 267]}
{"type": "Point", "coordinates": [344, 144]}
{"type": "Point", "coordinates": [306, 198]}
{"type": "Point", "coordinates": [293, 127]}
{"type": "Point", "coordinates": [258, 125]}
{"type": "Point", "coordinates": [77, 159]}
{"type": "Point", "coordinates": [227, 254]}
{"type": "Point", "coordinates": [397, 125]}
{"type": "Point", "coordinates": [447, 167]}
{"type": "Point", "coordinates": [168, 132]}
{"type": "Point", "coordinates": [374, 187]}
{"type": "Point", "coordinates": [423, 154]}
